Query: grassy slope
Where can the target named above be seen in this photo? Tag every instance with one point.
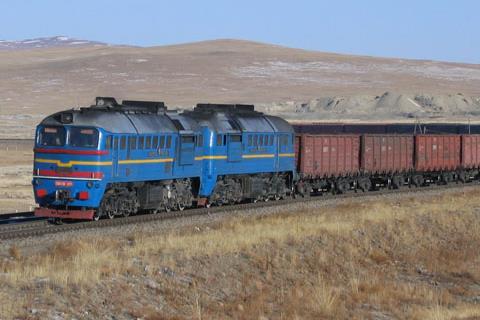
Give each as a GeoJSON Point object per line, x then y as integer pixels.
{"type": "Point", "coordinates": [414, 259]}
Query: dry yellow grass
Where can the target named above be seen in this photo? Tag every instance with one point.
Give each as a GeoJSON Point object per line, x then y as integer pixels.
{"type": "Point", "coordinates": [414, 259]}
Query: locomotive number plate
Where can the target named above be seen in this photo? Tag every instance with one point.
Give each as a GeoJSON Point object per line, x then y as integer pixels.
{"type": "Point", "coordinates": [63, 183]}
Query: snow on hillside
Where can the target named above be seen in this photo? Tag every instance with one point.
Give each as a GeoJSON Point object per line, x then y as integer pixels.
{"type": "Point", "coordinates": [46, 42]}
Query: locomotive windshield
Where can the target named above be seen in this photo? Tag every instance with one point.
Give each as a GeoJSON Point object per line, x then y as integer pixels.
{"type": "Point", "coordinates": [52, 136]}
{"type": "Point", "coordinates": [83, 137]}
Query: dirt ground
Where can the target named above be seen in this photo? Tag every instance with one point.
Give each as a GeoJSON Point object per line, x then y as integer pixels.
{"type": "Point", "coordinates": [16, 162]}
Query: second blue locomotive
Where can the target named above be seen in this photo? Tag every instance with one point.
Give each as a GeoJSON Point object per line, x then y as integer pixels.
{"type": "Point", "coordinates": [116, 159]}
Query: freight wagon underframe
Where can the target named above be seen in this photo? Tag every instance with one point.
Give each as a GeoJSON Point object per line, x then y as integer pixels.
{"type": "Point", "coordinates": [307, 185]}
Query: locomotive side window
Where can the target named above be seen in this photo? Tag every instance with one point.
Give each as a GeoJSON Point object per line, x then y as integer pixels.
{"type": "Point", "coordinates": [219, 140]}
{"type": "Point", "coordinates": [148, 143]}
{"type": "Point", "coordinates": [140, 143]}
{"type": "Point", "coordinates": [236, 138]}
{"type": "Point", "coordinates": [250, 140]}
{"type": "Point", "coordinates": [169, 142]}
{"type": "Point", "coordinates": [52, 136]}
{"type": "Point", "coordinates": [162, 142]}
{"type": "Point", "coordinates": [123, 143]}
{"type": "Point", "coordinates": [188, 139]}
{"type": "Point", "coordinates": [155, 142]}
{"type": "Point", "coordinates": [108, 142]}
{"type": "Point", "coordinates": [83, 137]}
{"type": "Point", "coordinates": [255, 140]}
{"type": "Point", "coordinates": [270, 141]}
{"type": "Point", "coordinates": [200, 141]}
{"type": "Point", "coordinates": [132, 143]}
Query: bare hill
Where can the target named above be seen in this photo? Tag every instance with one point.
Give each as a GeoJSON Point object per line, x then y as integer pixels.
{"type": "Point", "coordinates": [35, 82]}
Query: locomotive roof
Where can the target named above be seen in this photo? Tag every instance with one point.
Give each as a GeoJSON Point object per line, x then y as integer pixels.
{"type": "Point", "coordinates": [136, 117]}
{"type": "Point", "coordinates": [150, 117]}
{"type": "Point", "coordinates": [236, 118]}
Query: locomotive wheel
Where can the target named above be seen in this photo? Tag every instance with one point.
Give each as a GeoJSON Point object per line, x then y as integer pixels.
{"type": "Point", "coordinates": [110, 214]}
{"type": "Point", "coordinates": [97, 215]}
{"type": "Point", "coordinates": [181, 206]}
{"type": "Point", "coordinates": [57, 221]}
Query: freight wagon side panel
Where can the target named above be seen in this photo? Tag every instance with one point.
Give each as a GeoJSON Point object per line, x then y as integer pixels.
{"type": "Point", "coordinates": [387, 153]}
{"type": "Point", "coordinates": [329, 155]}
{"type": "Point", "coordinates": [470, 155]}
{"type": "Point", "coordinates": [437, 152]}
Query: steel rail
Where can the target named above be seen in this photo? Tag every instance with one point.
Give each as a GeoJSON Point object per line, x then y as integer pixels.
{"type": "Point", "coordinates": [30, 230]}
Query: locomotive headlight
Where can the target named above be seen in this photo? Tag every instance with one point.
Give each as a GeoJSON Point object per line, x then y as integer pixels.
{"type": "Point", "coordinates": [90, 184]}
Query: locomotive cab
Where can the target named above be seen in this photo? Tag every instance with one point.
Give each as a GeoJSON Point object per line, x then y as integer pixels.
{"type": "Point", "coordinates": [69, 166]}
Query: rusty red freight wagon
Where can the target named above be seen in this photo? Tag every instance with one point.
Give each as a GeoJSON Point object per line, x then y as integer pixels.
{"type": "Point", "coordinates": [470, 151]}
{"type": "Point", "coordinates": [327, 155]}
{"type": "Point", "coordinates": [436, 152]}
{"type": "Point", "coordinates": [387, 153]}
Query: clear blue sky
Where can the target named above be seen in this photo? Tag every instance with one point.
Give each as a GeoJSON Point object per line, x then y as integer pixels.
{"type": "Point", "coordinates": [425, 29]}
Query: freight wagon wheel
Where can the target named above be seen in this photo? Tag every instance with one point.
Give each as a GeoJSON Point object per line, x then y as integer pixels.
{"type": "Point", "coordinates": [462, 177]}
{"type": "Point", "coordinates": [365, 184]}
{"type": "Point", "coordinates": [110, 214]}
{"type": "Point", "coordinates": [277, 197]}
{"type": "Point", "coordinates": [417, 181]}
{"type": "Point", "coordinates": [447, 178]}
{"type": "Point", "coordinates": [181, 206]}
{"type": "Point", "coordinates": [397, 182]}
{"type": "Point", "coordinates": [304, 189]}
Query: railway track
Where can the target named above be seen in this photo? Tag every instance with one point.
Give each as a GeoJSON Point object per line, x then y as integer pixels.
{"type": "Point", "coordinates": [41, 227]}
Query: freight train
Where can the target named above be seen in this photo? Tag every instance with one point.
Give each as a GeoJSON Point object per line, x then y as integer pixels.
{"type": "Point", "coordinates": [116, 159]}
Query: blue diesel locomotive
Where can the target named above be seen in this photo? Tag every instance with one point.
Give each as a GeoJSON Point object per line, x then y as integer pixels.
{"type": "Point", "coordinates": [114, 159]}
